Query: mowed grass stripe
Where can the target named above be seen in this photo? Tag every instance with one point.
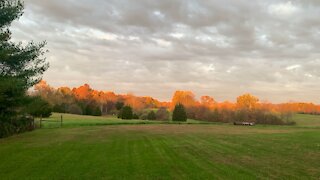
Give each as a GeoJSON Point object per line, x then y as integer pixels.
{"type": "Point", "coordinates": [163, 152]}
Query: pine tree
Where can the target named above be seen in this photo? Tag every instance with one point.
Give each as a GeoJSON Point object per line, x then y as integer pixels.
{"type": "Point", "coordinates": [21, 67]}
{"type": "Point", "coordinates": [179, 113]}
{"type": "Point", "coordinates": [17, 61]}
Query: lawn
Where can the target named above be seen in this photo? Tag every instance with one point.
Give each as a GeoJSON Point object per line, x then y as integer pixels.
{"type": "Point", "coordinates": [305, 120]}
{"type": "Point", "coordinates": [163, 151]}
{"type": "Point", "coordinates": [71, 120]}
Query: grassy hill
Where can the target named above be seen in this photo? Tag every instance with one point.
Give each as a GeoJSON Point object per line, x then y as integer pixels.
{"type": "Point", "coordinates": [93, 147]}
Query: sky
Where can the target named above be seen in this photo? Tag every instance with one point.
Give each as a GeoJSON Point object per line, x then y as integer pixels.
{"type": "Point", "coordinates": [152, 48]}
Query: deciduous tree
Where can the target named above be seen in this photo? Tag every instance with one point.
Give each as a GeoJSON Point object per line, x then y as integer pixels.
{"type": "Point", "coordinates": [247, 102]}
{"type": "Point", "coordinates": [162, 114]}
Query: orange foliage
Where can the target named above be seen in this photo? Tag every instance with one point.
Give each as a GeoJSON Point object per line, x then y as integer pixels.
{"type": "Point", "coordinates": [226, 105]}
{"type": "Point", "coordinates": [43, 88]}
{"type": "Point", "coordinates": [187, 98]}
{"type": "Point", "coordinates": [208, 102]}
{"type": "Point", "coordinates": [82, 92]}
{"type": "Point", "coordinates": [65, 90]}
{"type": "Point", "coordinates": [247, 101]}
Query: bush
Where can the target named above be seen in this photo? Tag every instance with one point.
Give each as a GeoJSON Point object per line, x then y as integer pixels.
{"type": "Point", "coordinates": [162, 114]}
{"type": "Point", "coordinates": [93, 110]}
{"type": "Point", "coordinates": [15, 125]}
{"type": "Point", "coordinates": [144, 115]}
{"type": "Point", "coordinates": [151, 115]}
{"type": "Point", "coordinates": [135, 116]}
{"type": "Point", "coordinates": [39, 107]}
{"type": "Point", "coordinates": [126, 112]}
{"type": "Point", "coordinates": [6, 129]}
{"type": "Point", "coordinates": [179, 113]}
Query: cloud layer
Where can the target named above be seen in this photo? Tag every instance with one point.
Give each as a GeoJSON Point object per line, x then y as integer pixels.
{"type": "Point", "coordinates": [217, 48]}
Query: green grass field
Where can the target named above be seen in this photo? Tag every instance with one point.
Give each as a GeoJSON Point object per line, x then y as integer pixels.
{"type": "Point", "coordinates": [71, 120]}
{"type": "Point", "coordinates": [100, 148]}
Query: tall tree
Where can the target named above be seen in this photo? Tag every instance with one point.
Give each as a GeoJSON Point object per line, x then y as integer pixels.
{"type": "Point", "coordinates": [186, 98]}
{"type": "Point", "coordinates": [20, 66]}
{"type": "Point", "coordinates": [23, 62]}
{"type": "Point", "coordinates": [247, 102]}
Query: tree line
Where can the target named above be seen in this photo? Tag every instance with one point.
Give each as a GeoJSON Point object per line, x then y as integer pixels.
{"type": "Point", "coordinates": [85, 100]}
{"type": "Point", "coordinates": [22, 66]}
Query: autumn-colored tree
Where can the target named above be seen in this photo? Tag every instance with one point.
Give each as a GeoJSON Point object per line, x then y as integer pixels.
{"type": "Point", "coordinates": [286, 110]}
{"type": "Point", "coordinates": [162, 114]}
{"type": "Point", "coordinates": [186, 98]}
{"type": "Point", "coordinates": [208, 102]}
{"type": "Point", "coordinates": [43, 89]}
{"type": "Point", "coordinates": [135, 102]}
{"type": "Point", "coordinates": [84, 100]}
{"type": "Point", "coordinates": [83, 92]}
{"type": "Point", "coordinates": [150, 102]}
{"type": "Point", "coordinates": [247, 102]}
{"type": "Point", "coordinates": [226, 105]}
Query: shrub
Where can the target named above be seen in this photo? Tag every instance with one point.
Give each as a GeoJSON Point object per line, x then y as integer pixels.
{"type": "Point", "coordinates": [135, 116]}
{"type": "Point", "coordinates": [179, 113]}
{"type": "Point", "coordinates": [144, 115]}
{"type": "Point", "coordinates": [268, 118]}
{"type": "Point", "coordinates": [152, 115]}
{"type": "Point", "coordinates": [126, 112]}
{"type": "Point", "coordinates": [119, 115]}
{"type": "Point", "coordinates": [162, 114]}
{"type": "Point", "coordinates": [15, 125]}
{"type": "Point", "coordinates": [92, 109]}
{"type": "Point", "coordinates": [39, 107]}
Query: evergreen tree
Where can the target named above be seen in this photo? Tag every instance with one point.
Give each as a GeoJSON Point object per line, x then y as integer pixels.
{"type": "Point", "coordinates": [21, 67]}
{"type": "Point", "coordinates": [39, 107]}
{"type": "Point", "coordinates": [17, 61]}
{"type": "Point", "coordinates": [126, 112]}
{"type": "Point", "coordinates": [179, 113]}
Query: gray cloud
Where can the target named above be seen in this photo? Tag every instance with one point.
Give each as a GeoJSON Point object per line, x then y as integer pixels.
{"type": "Point", "coordinates": [217, 48]}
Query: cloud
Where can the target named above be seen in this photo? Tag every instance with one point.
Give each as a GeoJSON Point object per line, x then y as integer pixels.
{"type": "Point", "coordinates": [283, 9]}
{"type": "Point", "coordinates": [293, 67]}
{"type": "Point", "coordinates": [218, 48]}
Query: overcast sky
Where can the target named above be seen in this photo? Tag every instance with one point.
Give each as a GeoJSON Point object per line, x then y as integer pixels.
{"type": "Point", "coordinates": [154, 47]}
